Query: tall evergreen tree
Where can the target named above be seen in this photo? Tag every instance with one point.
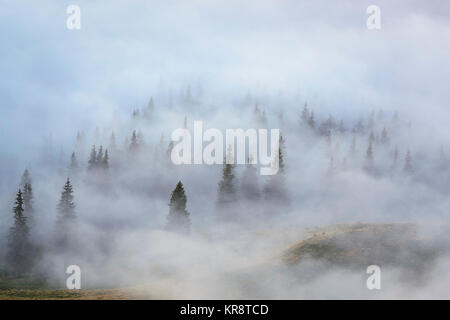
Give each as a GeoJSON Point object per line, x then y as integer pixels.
{"type": "Point", "coordinates": [18, 256]}
{"type": "Point", "coordinates": [249, 185]}
{"type": "Point", "coordinates": [275, 189]}
{"type": "Point", "coordinates": [408, 169]}
{"type": "Point", "coordinates": [105, 160]}
{"type": "Point", "coordinates": [99, 159]}
{"type": "Point", "coordinates": [134, 142]}
{"type": "Point", "coordinates": [312, 121]}
{"type": "Point", "coordinates": [305, 114]}
{"type": "Point", "coordinates": [27, 195]}
{"type": "Point", "coordinates": [66, 218]}
{"type": "Point", "coordinates": [178, 219]}
{"type": "Point", "coordinates": [226, 191]}
{"type": "Point", "coordinates": [368, 162]}
{"type": "Point", "coordinates": [92, 159]}
{"type": "Point", "coordinates": [73, 162]}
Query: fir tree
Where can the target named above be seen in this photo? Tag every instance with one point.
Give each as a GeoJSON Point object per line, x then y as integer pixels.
{"type": "Point", "coordinates": [408, 169]}
{"type": "Point", "coordinates": [27, 195]}
{"type": "Point", "coordinates": [368, 163]}
{"type": "Point", "coordinates": [28, 202]}
{"type": "Point", "coordinates": [92, 159]}
{"type": "Point", "coordinates": [112, 142]}
{"type": "Point", "coordinates": [26, 178]}
{"type": "Point", "coordinates": [275, 189]}
{"type": "Point", "coordinates": [226, 191]}
{"type": "Point", "coordinates": [18, 256]}
{"type": "Point", "coordinates": [384, 136]}
{"type": "Point", "coordinates": [66, 218]}
{"type": "Point", "coordinates": [305, 114]}
{"type": "Point", "coordinates": [105, 160]}
{"type": "Point", "coordinates": [249, 185]}
{"type": "Point", "coordinates": [178, 219]}
{"type": "Point", "coordinates": [134, 142]}
{"type": "Point", "coordinates": [73, 162]}
{"type": "Point", "coordinates": [99, 159]}
{"type": "Point", "coordinates": [312, 121]}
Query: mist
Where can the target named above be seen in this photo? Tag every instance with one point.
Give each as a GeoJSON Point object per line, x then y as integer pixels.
{"type": "Point", "coordinates": [150, 68]}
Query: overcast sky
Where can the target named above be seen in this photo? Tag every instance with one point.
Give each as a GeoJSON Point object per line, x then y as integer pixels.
{"type": "Point", "coordinates": [59, 80]}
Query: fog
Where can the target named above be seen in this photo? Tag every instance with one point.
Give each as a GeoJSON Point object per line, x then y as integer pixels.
{"type": "Point", "coordinates": [231, 64]}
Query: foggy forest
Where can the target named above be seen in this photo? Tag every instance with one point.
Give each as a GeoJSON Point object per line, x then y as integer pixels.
{"type": "Point", "coordinates": [86, 175]}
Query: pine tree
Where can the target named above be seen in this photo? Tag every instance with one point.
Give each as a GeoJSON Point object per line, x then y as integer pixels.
{"type": "Point", "coordinates": [368, 163]}
{"type": "Point", "coordinates": [112, 142]}
{"type": "Point", "coordinates": [395, 158]}
{"type": "Point", "coordinates": [305, 114]}
{"type": "Point", "coordinates": [92, 159]}
{"type": "Point", "coordinates": [28, 202]}
{"type": "Point", "coordinates": [134, 142]}
{"type": "Point", "coordinates": [249, 185]}
{"type": "Point", "coordinates": [384, 136]}
{"type": "Point", "coordinates": [99, 159]}
{"type": "Point", "coordinates": [26, 178]}
{"type": "Point", "coordinates": [27, 195]}
{"type": "Point", "coordinates": [18, 256]}
{"type": "Point", "coordinates": [105, 160]}
{"type": "Point", "coordinates": [311, 121]}
{"type": "Point", "coordinates": [66, 218]}
{"type": "Point", "coordinates": [275, 189]}
{"type": "Point", "coordinates": [226, 191]}
{"type": "Point", "coordinates": [178, 219]}
{"type": "Point", "coordinates": [408, 169]}
{"type": "Point", "coordinates": [73, 162]}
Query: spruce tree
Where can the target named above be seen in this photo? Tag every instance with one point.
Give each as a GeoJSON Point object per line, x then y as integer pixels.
{"type": "Point", "coordinates": [305, 114]}
{"type": "Point", "coordinates": [99, 159]}
{"type": "Point", "coordinates": [178, 219]}
{"type": "Point", "coordinates": [226, 191]}
{"type": "Point", "coordinates": [408, 169]}
{"type": "Point", "coordinates": [368, 163]}
{"type": "Point", "coordinates": [18, 256]}
{"type": "Point", "coordinates": [249, 185]}
{"type": "Point", "coordinates": [92, 159]}
{"type": "Point", "coordinates": [26, 178]}
{"type": "Point", "coordinates": [105, 160]}
{"type": "Point", "coordinates": [28, 202]}
{"type": "Point", "coordinates": [73, 162]}
{"type": "Point", "coordinates": [66, 218]}
{"type": "Point", "coordinates": [275, 189]}
{"type": "Point", "coordinates": [312, 121]}
{"type": "Point", "coordinates": [134, 142]}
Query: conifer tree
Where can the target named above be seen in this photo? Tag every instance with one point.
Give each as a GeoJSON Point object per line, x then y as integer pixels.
{"type": "Point", "coordinates": [27, 195]}
{"type": "Point", "coordinates": [178, 219]}
{"type": "Point", "coordinates": [395, 157]}
{"type": "Point", "coordinates": [384, 136]}
{"type": "Point", "coordinates": [73, 162]}
{"type": "Point", "coordinates": [408, 169]}
{"type": "Point", "coordinates": [134, 142]}
{"type": "Point", "coordinates": [18, 256]}
{"type": "Point", "coordinates": [305, 114]}
{"type": "Point", "coordinates": [92, 159]}
{"type": "Point", "coordinates": [368, 163]}
{"type": "Point", "coordinates": [249, 185]}
{"type": "Point", "coordinates": [226, 191]}
{"type": "Point", "coordinates": [66, 218]}
{"type": "Point", "coordinates": [112, 142]}
{"type": "Point", "coordinates": [99, 159]}
{"type": "Point", "coordinates": [275, 189]}
{"type": "Point", "coordinates": [26, 178]}
{"type": "Point", "coordinates": [312, 121]}
{"type": "Point", "coordinates": [105, 160]}
{"type": "Point", "coordinates": [28, 202]}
